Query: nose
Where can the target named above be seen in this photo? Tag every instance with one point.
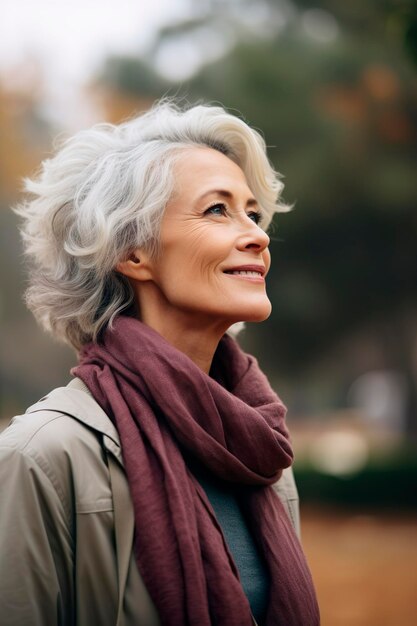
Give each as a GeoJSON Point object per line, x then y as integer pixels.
{"type": "Point", "coordinates": [253, 237]}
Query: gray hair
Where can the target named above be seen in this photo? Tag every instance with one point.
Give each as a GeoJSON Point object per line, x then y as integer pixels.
{"type": "Point", "coordinates": [103, 194]}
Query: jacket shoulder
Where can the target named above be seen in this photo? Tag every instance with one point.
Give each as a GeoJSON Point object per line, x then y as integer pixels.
{"type": "Point", "coordinates": [63, 449]}
{"type": "Point", "coordinates": [41, 430]}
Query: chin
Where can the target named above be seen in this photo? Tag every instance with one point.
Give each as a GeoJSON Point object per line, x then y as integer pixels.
{"type": "Point", "coordinates": [258, 313]}
{"type": "Point", "coordinates": [258, 318]}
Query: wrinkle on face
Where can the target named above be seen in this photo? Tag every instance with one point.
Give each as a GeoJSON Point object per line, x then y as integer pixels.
{"type": "Point", "coordinates": [196, 245]}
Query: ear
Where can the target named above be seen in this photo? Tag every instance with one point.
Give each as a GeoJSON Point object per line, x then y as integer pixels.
{"type": "Point", "coordinates": [137, 266]}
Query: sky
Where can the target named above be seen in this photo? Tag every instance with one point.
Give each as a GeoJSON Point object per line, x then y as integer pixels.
{"type": "Point", "coordinates": [56, 46]}
{"type": "Point", "coordinates": [70, 40]}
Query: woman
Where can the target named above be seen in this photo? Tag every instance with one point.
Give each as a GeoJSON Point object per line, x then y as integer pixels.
{"type": "Point", "coordinates": [145, 492]}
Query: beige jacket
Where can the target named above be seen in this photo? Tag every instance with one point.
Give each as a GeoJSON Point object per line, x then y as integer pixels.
{"type": "Point", "coordinates": [66, 519]}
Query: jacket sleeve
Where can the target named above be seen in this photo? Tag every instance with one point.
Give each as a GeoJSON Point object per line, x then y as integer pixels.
{"type": "Point", "coordinates": [35, 544]}
{"type": "Point", "coordinates": [288, 494]}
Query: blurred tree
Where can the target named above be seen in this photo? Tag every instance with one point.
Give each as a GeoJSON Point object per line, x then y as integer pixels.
{"type": "Point", "coordinates": [335, 96]}
{"type": "Point", "coordinates": [22, 132]}
{"type": "Point", "coordinates": [408, 20]}
{"type": "Point", "coordinates": [126, 85]}
{"type": "Point", "coordinates": [25, 355]}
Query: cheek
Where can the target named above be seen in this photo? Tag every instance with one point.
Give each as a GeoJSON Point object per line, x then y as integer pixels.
{"type": "Point", "coordinates": [184, 269]}
{"type": "Point", "coordinates": [198, 254]}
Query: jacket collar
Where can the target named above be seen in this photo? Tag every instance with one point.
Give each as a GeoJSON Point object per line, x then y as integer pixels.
{"type": "Point", "coordinates": [77, 401]}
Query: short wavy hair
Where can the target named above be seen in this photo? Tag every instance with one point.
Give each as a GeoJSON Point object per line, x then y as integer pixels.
{"type": "Point", "coordinates": [103, 194]}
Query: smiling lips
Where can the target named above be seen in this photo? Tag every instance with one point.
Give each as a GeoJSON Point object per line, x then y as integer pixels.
{"type": "Point", "coordinates": [248, 272]}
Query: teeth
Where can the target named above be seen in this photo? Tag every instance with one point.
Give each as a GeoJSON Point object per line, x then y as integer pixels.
{"type": "Point", "coordinates": [246, 273]}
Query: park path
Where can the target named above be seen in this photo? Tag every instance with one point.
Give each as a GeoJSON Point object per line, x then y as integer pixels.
{"type": "Point", "coordinates": [364, 566]}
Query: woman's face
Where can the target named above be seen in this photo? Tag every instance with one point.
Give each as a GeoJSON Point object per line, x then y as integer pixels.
{"type": "Point", "coordinates": [213, 255]}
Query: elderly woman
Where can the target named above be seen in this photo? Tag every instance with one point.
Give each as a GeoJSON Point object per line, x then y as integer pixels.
{"type": "Point", "coordinates": [152, 489]}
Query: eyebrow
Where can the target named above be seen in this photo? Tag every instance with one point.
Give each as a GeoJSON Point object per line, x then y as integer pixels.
{"type": "Point", "coordinates": [251, 202]}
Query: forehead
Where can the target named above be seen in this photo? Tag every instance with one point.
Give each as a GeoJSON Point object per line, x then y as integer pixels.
{"type": "Point", "coordinates": [203, 166]}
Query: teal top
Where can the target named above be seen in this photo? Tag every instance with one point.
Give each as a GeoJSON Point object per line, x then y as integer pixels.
{"type": "Point", "coordinates": [226, 501]}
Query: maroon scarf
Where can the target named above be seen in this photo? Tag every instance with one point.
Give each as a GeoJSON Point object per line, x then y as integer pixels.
{"type": "Point", "coordinates": [233, 422]}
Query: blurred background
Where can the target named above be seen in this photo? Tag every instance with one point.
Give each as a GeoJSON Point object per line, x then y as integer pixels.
{"type": "Point", "coordinates": [332, 85]}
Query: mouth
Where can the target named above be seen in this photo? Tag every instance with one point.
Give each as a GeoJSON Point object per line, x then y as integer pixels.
{"type": "Point", "coordinates": [251, 272]}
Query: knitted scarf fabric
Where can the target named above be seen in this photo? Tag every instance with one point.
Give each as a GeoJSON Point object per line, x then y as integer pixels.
{"type": "Point", "coordinates": [232, 421]}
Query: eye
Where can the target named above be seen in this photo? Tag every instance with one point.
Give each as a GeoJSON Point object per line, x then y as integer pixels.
{"type": "Point", "coordinates": [255, 216]}
{"type": "Point", "coordinates": [216, 209]}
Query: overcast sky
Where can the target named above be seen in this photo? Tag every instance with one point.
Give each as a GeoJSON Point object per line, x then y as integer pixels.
{"type": "Point", "coordinates": [75, 35]}
{"type": "Point", "coordinates": [70, 39]}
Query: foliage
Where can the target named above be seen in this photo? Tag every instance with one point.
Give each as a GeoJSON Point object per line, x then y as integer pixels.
{"type": "Point", "coordinates": [385, 483]}
{"type": "Point", "coordinates": [339, 117]}
{"type": "Point", "coordinates": [339, 114]}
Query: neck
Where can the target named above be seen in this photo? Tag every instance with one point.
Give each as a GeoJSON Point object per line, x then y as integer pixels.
{"type": "Point", "coordinates": [196, 345]}
{"type": "Point", "coordinates": [197, 338]}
